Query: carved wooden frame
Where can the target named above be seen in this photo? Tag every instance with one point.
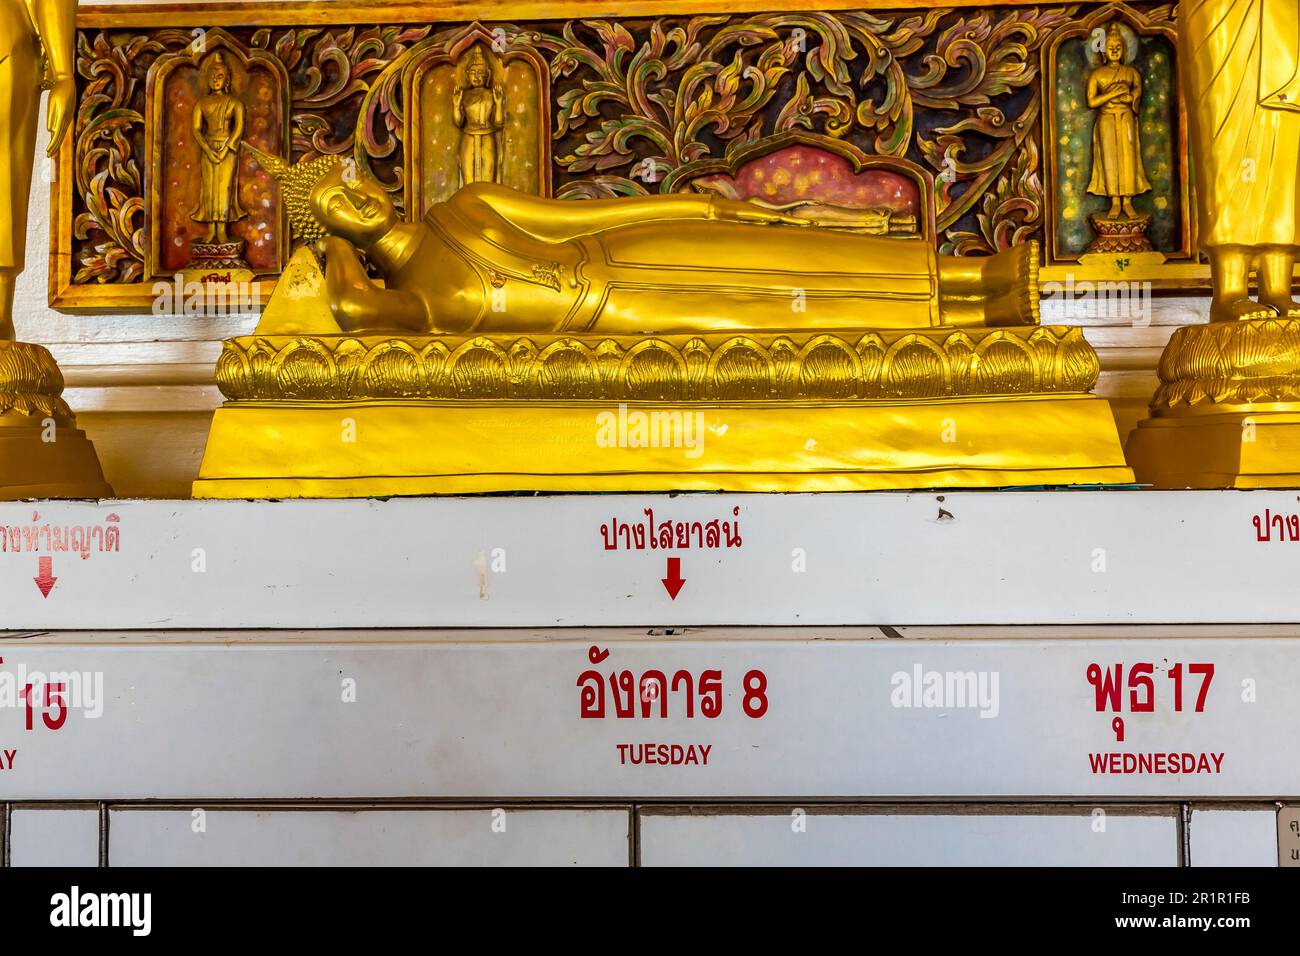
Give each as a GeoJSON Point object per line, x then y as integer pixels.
{"type": "Point", "coordinates": [108, 297]}
{"type": "Point", "coordinates": [1184, 264]}
{"type": "Point", "coordinates": [159, 72]}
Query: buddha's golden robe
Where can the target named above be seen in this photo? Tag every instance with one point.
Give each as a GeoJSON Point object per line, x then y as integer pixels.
{"type": "Point", "coordinates": [1241, 64]}
{"type": "Point", "coordinates": [1117, 168]}
{"type": "Point", "coordinates": [222, 121]}
{"type": "Point", "coordinates": [19, 61]}
{"type": "Point", "coordinates": [478, 145]}
{"type": "Point", "coordinates": [501, 255]}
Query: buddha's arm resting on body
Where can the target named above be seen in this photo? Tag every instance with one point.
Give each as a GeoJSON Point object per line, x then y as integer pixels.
{"type": "Point", "coordinates": [556, 220]}
{"type": "Point", "coordinates": [357, 302]}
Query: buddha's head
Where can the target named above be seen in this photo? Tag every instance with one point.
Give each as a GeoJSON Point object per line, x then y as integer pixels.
{"type": "Point", "coordinates": [218, 74]}
{"type": "Point", "coordinates": [351, 204]}
{"type": "Point", "coordinates": [476, 69]}
{"type": "Point", "coordinates": [330, 195]}
{"type": "Point", "coordinates": [1114, 44]}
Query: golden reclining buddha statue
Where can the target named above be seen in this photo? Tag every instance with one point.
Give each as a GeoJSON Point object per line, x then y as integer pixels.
{"type": "Point", "coordinates": [653, 264]}
{"type": "Point", "coordinates": [799, 352]}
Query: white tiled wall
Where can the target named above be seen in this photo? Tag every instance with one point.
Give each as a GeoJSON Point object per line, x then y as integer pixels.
{"type": "Point", "coordinates": [668, 836]}
{"type": "Point", "coordinates": [477, 837]}
{"type": "Point", "coordinates": [1233, 837]}
{"type": "Point", "coordinates": [54, 837]}
{"type": "Point", "coordinates": [832, 837]}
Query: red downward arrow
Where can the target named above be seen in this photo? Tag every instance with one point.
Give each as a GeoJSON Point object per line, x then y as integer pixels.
{"type": "Point", "coordinates": [45, 579]}
{"type": "Point", "coordinates": [673, 583]}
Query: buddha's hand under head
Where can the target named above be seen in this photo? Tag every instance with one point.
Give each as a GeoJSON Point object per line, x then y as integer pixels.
{"type": "Point", "coordinates": [331, 246]}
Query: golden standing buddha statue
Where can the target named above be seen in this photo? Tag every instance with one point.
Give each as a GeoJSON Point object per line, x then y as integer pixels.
{"type": "Point", "coordinates": [218, 127]}
{"type": "Point", "coordinates": [28, 28]}
{"type": "Point", "coordinates": [1227, 411]}
{"type": "Point", "coordinates": [1240, 62]}
{"type": "Point", "coordinates": [478, 110]}
{"type": "Point", "coordinates": [42, 452]}
{"type": "Point", "coordinates": [1115, 90]}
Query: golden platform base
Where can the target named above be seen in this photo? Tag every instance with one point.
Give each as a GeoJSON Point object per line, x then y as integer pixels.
{"type": "Point", "coordinates": [1247, 449]}
{"type": "Point", "coordinates": [33, 468]}
{"type": "Point", "coordinates": [332, 450]}
{"type": "Point", "coordinates": [345, 416]}
{"type": "Point", "coordinates": [1227, 412]}
{"type": "Point", "coordinates": [42, 452]}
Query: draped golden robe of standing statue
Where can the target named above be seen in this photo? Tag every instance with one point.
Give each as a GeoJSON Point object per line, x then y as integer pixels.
{"type": "Point", "coordinates": [20, 59]}
{"type": "Point", "coordinates": [218, 126]}
{"type": "Point", "coordinates": [1117, 157]}
{"type": "Point", "coordinates": [1246, 114]}
{"type": "Point", "coordinates": [1240, 61]}
{"type": "Point", "coordinates": [1114, 89]}
{"type": "Point", "coordinates": [478, 109]}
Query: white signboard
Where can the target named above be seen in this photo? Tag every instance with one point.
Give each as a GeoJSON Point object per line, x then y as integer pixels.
{"type": "Point", "coordinates": [885, 558]}
{"type": "Point", "coordinates": [832, 714]}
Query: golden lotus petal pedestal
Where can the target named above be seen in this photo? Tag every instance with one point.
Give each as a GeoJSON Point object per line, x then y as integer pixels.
{"type": "Point", "coordinates": [345, 416]}
{"type": "Point", "coordinates": [1227, 411]}
{"type": "Point", "coordinates": [42, 452]}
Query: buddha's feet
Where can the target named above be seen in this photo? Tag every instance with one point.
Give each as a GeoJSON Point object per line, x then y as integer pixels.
{"type": "Point", "coordinates": [1237, 310]}
{"type": "Point", "coordinates": [1011, 286]}
{"type": "Point", "coordinates": [1286, 306]}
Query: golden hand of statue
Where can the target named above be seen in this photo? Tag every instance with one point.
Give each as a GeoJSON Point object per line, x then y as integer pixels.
{"type": "Point", "coordinates": [330, 246]}
{"type": "Point", "coordinates": [59, 113]}
{"type": "Point", "coordinates": [457, 96]}
{"type": "Point", "coordinates": [497, 95]}
{"type": "Point", "coordinates": [766, 216]}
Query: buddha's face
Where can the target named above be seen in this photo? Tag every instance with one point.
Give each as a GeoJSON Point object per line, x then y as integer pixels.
{"type": "Point", "coordinates": [353, 206]}
{"type": "Point", "coordinates": [1114, 50]}
{"type": "Point", "coordinates": [218, 79]}
{"type": "Point", "coordinates": [476, 75]}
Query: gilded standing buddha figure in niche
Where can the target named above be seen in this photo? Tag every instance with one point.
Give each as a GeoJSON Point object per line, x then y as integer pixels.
{"type": "Point", "coordinates": [1115, 92]}
{"type": "Point", "coordinates": [478, 110]}
{"type": "Point", "coordinates": [218, 127]}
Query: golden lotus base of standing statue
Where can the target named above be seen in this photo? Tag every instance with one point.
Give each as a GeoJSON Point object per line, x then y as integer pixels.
{"type": "Point", "coordinates": [42, 452]}
{"type": "Point", "coordinates": [1119, 235]}
{"type": "Point", "coordinates": [1227, 411]}
{"type": "Point", "coordinates": [347, 416]}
